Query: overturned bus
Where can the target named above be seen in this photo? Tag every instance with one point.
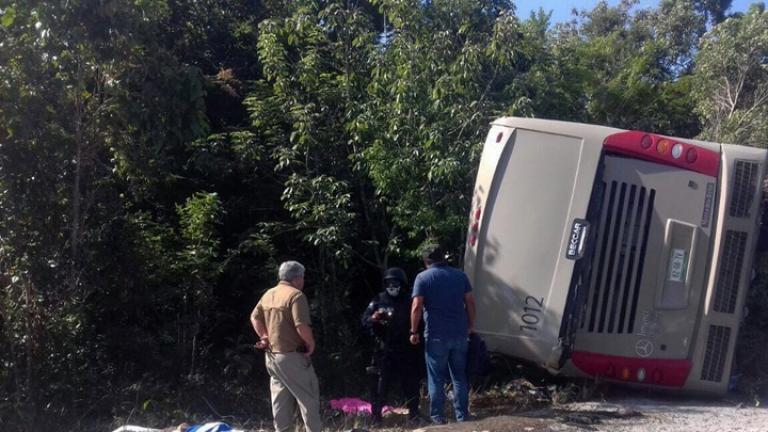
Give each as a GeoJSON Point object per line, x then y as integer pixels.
{"type": "Point", "coordinates": [623, 255]}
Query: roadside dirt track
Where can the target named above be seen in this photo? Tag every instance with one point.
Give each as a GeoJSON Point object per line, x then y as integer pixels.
{"type": "Point", "coordinates": [627, 414]}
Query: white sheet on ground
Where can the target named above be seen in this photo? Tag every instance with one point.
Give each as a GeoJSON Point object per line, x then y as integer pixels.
{"type": "Point", "coordinates": [132, 428]}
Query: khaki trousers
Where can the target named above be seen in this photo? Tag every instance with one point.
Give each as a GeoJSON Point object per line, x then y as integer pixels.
{"type": "Point", "coordinates": [293, 382]}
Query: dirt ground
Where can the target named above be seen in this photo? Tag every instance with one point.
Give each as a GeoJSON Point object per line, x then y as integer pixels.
{"type": "Point", "coordinates": [626, 414]}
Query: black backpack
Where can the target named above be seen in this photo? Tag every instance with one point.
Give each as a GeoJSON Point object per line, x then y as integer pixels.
{"type": "Point", "coordinates": [478, 359]}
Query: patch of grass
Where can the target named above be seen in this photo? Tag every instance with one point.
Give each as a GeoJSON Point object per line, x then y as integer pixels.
{"type": "Point", "coordinates": [521, 394]}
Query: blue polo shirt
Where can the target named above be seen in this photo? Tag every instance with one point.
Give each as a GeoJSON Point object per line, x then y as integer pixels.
{"type": "Point", "coordinates": [443, 288]}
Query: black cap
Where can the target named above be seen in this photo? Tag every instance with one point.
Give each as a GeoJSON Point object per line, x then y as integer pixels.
{"type": "Point", "coordinates": [396, 273]}
{"type": "Point", "coordinates": [433, 252]}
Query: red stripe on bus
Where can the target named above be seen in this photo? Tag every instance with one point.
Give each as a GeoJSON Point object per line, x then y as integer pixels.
{"type": "Point", "coordinates": [662, 372]}
{"type": "Point", "coordinates": [656, 148]}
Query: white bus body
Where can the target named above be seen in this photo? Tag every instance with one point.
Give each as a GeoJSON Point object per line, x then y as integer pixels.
{"type": "Point", "coordinates": [623, 255]}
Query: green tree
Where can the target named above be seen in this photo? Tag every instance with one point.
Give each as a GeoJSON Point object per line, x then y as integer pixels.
{"type": "Point", "coordinates": [679, 25]}
{"type": "Point", "coordinates": [199, 267]}
{"type": "Point", "coordinates": [374, 135]}
{"type": "Point", "coordinates": [315, 63]}
{"type": "Point", "coordinates": [732, 81]}
{"type": "Point", "coordinates": [158, 158]}
{"type": "Point", "coordinates": [630, 73]}
{"type": "Point", "coordinates": [441, 74]}
{"type": "Point", "coordinates": [55, 102]}
{"type": "Point", "coordinates": [97, 115]}
{"type": "Point", "coordinates": [713, 10]}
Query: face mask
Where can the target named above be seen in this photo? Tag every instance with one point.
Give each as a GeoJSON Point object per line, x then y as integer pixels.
{"type": "Point", "coordinates": [393, 288]}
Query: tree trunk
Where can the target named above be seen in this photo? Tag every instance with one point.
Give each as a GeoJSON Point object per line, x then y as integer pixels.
{"type": "Point", "coordinates": [74, 240]}
{"type": "Point", "coordinates": [30, 349]}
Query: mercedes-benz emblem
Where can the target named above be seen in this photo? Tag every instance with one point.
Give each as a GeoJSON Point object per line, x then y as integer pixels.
{"type": "Point", "coordinates": [644, 348]}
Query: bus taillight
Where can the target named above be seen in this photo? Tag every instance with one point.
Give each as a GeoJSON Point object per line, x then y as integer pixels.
{"type": "Point", "coordinates": [662, 146]}
{"type": "Point", "coordinates": [646, 141]}
{"type": "Point", "coordinates": [667, 151]}
{"type": "Point", "coordinates": [691, 155]}
{"type": "Point", "coordinates": [657, 376]}
{"type": "Point", "coordinates": [666, 372]}
{"type": "Point", "coordinates": [677, 150]}
{"type": "Point", "coordinates": [641, 375]}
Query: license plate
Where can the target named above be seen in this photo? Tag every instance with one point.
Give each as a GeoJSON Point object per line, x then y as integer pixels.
{"type": "Point", "coordinates": [677, 265]}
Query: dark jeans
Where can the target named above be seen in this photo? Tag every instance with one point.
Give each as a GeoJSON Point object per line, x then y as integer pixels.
{"type": "Point", "coordinates": [392, 366]}
{"type": "Point", "coordinates": [447, 357]}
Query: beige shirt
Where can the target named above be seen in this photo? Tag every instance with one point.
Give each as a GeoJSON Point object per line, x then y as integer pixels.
{"type": "Point", "coordinates": [282, 308]}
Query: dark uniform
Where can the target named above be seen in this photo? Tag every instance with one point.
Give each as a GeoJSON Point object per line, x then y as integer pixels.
{"type": "Point", "coordinates": [387, 319]}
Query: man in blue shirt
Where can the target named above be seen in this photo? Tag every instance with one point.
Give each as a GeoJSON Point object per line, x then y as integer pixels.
{"type": "Point", "coordinates": [444, 295]}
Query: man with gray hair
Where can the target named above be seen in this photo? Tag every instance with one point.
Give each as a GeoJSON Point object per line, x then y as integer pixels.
{"type": "Point", "coordinates": [281, 321]}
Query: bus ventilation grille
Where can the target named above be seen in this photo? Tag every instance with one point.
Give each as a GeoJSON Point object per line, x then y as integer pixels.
{"type": "Point", "coordinates": [727, 289]}
{"type": "Point", "coordinates": [614, 283]}
{"type": "Point", "coordinates": [744, 184]}
{"type": "Point", "coordinates": [717, 350]}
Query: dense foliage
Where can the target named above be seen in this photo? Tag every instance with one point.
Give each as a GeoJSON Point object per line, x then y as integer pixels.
{"type": "Point", "coordinates": [158, 158]}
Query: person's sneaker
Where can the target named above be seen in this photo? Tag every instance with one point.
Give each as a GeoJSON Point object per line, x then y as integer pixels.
{"type": "Point", "coordinates": [417, 420]}
{"type": "Point", "coordinates": [466, 418]}
{"type": "Point", "coordinates": [438, 421]}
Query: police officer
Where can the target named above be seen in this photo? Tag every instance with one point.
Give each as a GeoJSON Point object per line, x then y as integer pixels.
{"type": "Point", "coordinates": [387, 319]}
